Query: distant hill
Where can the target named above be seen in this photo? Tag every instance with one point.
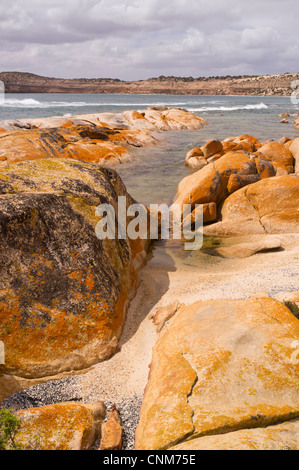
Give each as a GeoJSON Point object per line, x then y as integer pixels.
{"type": "Point", "coordinates": [266, 85]}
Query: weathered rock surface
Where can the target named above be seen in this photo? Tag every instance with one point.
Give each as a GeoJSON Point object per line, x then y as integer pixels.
{"type": "Point", "coordinates": [242, 142]}
{"type": "Point", "coordinates": [63, 292]}
{"type": "Point", "coordinates": [294, 148]}
{"type": "Point", "coordinates": [100, 138]}
{"type": "Point", "coordinates": [236, 182]}
{"type": "Point", "coordinates": [65, 426]}
{"type": "Point", "coordinates": [291, 300]}
{"type": "Point", "coordinates": [245, 250]}
{"type": "Point", "coordinates": [172, 119]}
{"type": "Point", "coordinates": [284, 436]}
{"type": "Point", "coordinates": [164, 314]}
{"type": "Point", "coordinates": [195, 159]}
{"type": "Point", "coordinates": [220, 367]}
{"type": "Point", "coordinates": [93, 146]}
{"type": "Point", "coordinates": [208, 212]}
{"type": "Point", "coordinates": [296, 124]}
{"type": "Point", "coordinates": [112, 432]}
{"type": "Point", "coordinates": [211, 148]}
{"type": "Point", "coordinates": [268, 206]}
{"type": "Point", "coordinates": [278, 155]}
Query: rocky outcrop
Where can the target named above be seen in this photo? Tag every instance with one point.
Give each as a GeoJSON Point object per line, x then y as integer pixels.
{"type": "Point", "coordinates": [212, 183]}
{"type": "Point", "coordinates": [296, 123]}
{"type": "Point", "coordinates": [227, 179]}
{"type": "Point", "coordinates": [65, 426]}
{"type": "Point", "coordinates": [105, 138]}
{"type": "Point", "coordinates": [211, 151]}
{"type": "Point", "coordinates": [63, 292]}
{"type": "Point", "coordinates": [269, 206]}
{"type": "Point", "coordinates": [221, 367]}
{"type": "Point", "coordinates": [172, 119]}
{"type": "Point", "coordinates": [61, 142]}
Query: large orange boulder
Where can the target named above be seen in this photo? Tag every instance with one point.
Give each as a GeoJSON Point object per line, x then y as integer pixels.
{"type": "Point", "coordinates": [201, 187]}
{"type": "Point", "coordinates": [219, 367]}
{"type": "Point", "coordinates": [236, 182]}
{"type": "Point", "coordinates": [278, 155]}
{"type": "Point", "coordinates": [64, 293]}
{"type": "Point", "coordinates": [65, 426]}
{"type": "Point", "coordinates": [136, 120]}
{"type": "Point", "coordinates": [179, 119]}
{"type": "Point", "coordinates": [87, 143]}
{"type": "Point", "coordinates": [268, 206]}
{"type": "Point", "coordinates": [249, 139]}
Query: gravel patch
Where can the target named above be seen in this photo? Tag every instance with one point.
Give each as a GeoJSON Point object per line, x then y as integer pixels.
{"type": "Point", "coordinates": [49, 393]}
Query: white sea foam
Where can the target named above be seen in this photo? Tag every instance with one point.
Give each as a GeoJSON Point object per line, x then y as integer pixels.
{"type": "Point", "coordinates": [189, 105]}
{"type": "Point", "coordinates": [229, 108]}
{"type": "Point", "coordinates": [32, 103]}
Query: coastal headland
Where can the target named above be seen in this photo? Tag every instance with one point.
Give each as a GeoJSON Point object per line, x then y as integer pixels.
{"type": "Point", "coordinates": [264, 85]}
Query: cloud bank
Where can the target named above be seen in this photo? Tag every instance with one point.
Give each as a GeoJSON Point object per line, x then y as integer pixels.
{"type": "Point", "coordinates": [134, 40]}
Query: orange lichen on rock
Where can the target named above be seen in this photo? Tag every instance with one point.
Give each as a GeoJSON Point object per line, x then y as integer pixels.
{"type": "Point", "coordinates": [268, 206]}
{"type": "Point", "coordinates": [63, 292]}
{"type": "Point", "coordinates": [112, 432]}
{"type": "Point", "coordinates": [278, 155]}
{"type": "Point", "coordinates": [65, 426]}
{"type": "Point", "coordinates": [101, 138]}
{"type": "Point", "coordinates": [219, 367]}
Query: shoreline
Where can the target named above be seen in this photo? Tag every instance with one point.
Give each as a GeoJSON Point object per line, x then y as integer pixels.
{"type": "Point", "coordinates": [171, 275]}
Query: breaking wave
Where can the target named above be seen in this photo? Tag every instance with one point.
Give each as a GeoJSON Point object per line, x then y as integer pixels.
{"type": "Point", "coordinates": [229, 108]}
{"type": "Point", "coordinates": [190, 106]}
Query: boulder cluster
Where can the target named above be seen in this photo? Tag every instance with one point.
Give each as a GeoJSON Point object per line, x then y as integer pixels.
{"type": "Point", "coordinates": [241, 180]}
{"type": "Point", "coordinates": [105, 138]}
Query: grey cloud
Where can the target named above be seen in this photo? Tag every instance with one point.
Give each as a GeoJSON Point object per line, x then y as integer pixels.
{"type": "Point", "coordinates": [137, 39]}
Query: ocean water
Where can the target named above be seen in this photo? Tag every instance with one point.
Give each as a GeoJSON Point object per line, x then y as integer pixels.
{"type": "Point", "coordinates": [155, 172]}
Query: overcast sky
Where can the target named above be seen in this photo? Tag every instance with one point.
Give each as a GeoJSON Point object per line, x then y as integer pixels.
{"type": "Point", "coordinates": [139, 39]}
